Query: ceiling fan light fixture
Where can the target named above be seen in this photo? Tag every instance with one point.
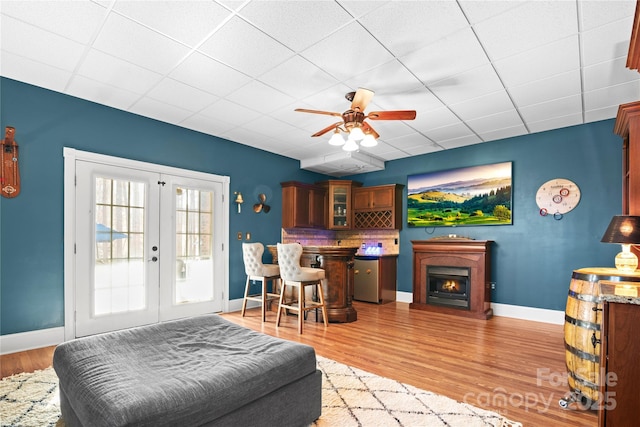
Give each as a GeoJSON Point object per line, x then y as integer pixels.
{"type": "Point", "coordinates": [336, 139]}
{"type": "Point", "coordinates": [350, 145]}
{"type": "Point", "coordinates": [356, 134]}
{"type": "Point", "coordinates": [369, 141]}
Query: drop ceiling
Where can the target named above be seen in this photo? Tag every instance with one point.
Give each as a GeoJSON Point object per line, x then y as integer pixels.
{"type": "Point", "coordinates": [475, 71]}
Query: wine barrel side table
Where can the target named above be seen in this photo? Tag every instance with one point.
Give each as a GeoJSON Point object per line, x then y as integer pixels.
{"type": "Point", "coordinates": [582, 332]}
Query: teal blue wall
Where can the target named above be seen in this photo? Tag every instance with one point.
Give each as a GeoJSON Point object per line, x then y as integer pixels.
{"type": "Point", "coordinates": [31, 276]}
{"type": "Point", "coordinates": [532, 259]}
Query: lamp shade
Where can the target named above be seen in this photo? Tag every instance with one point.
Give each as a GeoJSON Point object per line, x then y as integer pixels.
{"type": "Point", "coordinates": [624, 229]}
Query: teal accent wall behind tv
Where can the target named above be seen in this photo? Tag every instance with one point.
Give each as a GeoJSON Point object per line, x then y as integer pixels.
{"type": "Point", "coordinates": [533, 259]}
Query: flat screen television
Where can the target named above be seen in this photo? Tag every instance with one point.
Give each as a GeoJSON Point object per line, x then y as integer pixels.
{"type": "Point", "coordinates": [475, 195]}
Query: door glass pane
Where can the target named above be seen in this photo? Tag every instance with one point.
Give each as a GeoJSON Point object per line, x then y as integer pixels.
{"type": "Point", "coordinates": [194, 261]}
{"type": "Point", "coordinates": [119, 284]}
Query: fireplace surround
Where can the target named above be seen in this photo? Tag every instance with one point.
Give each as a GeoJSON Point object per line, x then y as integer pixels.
{"type": "Point", "coordinates": [452, 276]}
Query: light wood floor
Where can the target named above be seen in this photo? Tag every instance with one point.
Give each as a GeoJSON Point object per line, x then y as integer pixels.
{"type": "Point", "coordinates": [510, 366]}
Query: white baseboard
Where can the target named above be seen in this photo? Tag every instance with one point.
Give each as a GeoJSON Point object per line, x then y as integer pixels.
{"type": "Point", "coordinates": [514, 311]}
{"type": "Point", "coordinates": [544, 315]}
{"type": "Point", "coordinates": [23, 341]}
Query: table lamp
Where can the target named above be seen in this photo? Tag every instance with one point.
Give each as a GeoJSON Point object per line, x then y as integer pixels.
{"type": "Point", "coordinates": [625, 230]}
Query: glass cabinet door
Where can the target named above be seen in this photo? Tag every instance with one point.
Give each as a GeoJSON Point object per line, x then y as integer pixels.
{"type": "Point", "coordinates": [341, 206]}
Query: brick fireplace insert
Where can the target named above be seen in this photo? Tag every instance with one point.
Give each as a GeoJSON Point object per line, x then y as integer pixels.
{"type": "Point", "coordinates": [452, 276]}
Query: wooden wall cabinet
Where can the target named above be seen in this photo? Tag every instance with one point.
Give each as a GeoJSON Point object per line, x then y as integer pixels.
{"type": "Point", "coordinates": [378, 207]}
{"type": "Point", "coordinates": [303, 205]}
{"type": "Point", "coordinates": [339, 203]}
{"type": "Point", "coordinates": [619, 349]}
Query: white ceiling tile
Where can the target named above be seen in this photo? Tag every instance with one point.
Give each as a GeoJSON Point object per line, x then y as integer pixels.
{"type": "Point", "coordinates": [245, 48]}
{"type": "Point", "coordinates": [433, 119]}
{"type": "Point", "coordinates": [608, 73]}
{"type": "Point", "coordinates": [208, 125]}
{"type": "Point", "coordinates": [598, 12]}
{"type": "Point", "coordinates": [334, 52]}
{"type": "Point", "coordinates": [230, 112]}
{"type": "Point", "coordinates": [298, 78]}
{"type": "Point", "coordinates": [159, 110]}
{"type": "Point", "coordinates": [296, 24]}
{"type": "Point", "coordinates": [20, 68]}
{"type": "Point", "coordinates": [114, 71]}
{"type": "Point", "coordinates": [555, 123]}
{"type": "Point", "coordinates": [260, 97]}
{"type": "Point", "coordinates": [462, 141]}
{"type": "Point", "coordinates": [478, 11]}
{"type": "Point", "coordinates": [424, 149]}
{"type": "Point", "coordinates": [607, 42]}
{"type": "Point", "coordinates": [523, 28]}
{"type": "Point", "coordinates": [459, 130]}
{"type": "Point", "coordinates": [39, 45]}
{"type": "Point", "coordinates": [75, 20]}
{"type": "Point", "coordinates": [188, 22]}
{"type": "Point", "coordinates": [485, 105]}
{"type": "Point", "coordinates": [181, 95]}
{"type": "Point", "coordinates": [457, 53]}
{"type": "Point", "coordinates": [207, 74]}
{"type": "Point", "coordinates": [600, 114]}
{"type": "Point", "coordinates": [612, 95]}
{"type": "Point", "coordinates": [510, 132]}
{"type": "Point", "coordinates": [102, 93]}
{"type": "Point", "coordinates": [498, 121]}
{"type": "Point", "coordinates": [410, 141]}
{"type": "Point", "coordinates": [389, 129]}
{"type": "Point", "coordinates": [555, 108]}
{"type": "Point", "coordinates": [424, 21]}
{"type": "Point", "coordinates": [472, 84]}
{"type": "Point", "coordinates": [151, 50]}
{"type": "Point", "coordinates": [269, 125]}
{"type": "Point", "coordinates": [538, 91]}
{"type": "Point", "coordinates": [544, 61]}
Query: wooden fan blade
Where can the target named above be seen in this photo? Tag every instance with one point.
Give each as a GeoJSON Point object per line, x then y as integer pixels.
{"type": "Point", "coordinates": [327, 113]}
{"type": "Point", "coordinates": [392, 115]}
{"type": "Point", "coordinates": [327, 129]}
{"type": "Point", "coordinates": [366, 128]}
{"type": "Point", "coordinates": [361, 99]}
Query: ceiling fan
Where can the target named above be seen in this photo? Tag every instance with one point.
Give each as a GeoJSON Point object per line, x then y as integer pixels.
{"type": "Point", "coordinates": [353, 121]}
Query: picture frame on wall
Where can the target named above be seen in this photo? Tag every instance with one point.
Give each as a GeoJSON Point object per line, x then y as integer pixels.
{"type": "Point", "coordinates": [468, 196]}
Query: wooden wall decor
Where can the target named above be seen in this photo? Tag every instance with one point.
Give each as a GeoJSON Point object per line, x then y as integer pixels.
{"type": "Point", "coordinates": [10, 178]}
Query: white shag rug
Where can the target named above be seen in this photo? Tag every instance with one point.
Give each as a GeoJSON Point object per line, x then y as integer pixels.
{"type": "Point", "coordinates": [350, 397]}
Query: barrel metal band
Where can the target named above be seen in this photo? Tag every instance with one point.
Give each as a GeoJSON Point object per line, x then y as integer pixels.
{"type": "Point", "coordinates": [582, 323]}
{"type": "Point", "coordinates": [582, 354]}
{"type": "Point", "coordinates": [584, 297]}
{"type": "Point", "coordinates": [583, 382]}
{"type": "Point", "coordinates": [590, 277]}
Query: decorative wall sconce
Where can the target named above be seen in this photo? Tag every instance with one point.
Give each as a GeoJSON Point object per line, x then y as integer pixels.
{"type": "Point", "coordinates": [239, 200]}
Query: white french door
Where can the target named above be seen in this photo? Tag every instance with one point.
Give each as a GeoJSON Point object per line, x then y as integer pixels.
{"type": "Point", "coordinates": [149, 245]}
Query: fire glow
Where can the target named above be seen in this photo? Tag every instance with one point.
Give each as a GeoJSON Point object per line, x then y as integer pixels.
{"type": "Point", "coordinates": [451, 286]}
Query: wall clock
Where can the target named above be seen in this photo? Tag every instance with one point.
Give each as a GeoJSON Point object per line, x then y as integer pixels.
{"type": "Point", "coordinates": [557, 197]}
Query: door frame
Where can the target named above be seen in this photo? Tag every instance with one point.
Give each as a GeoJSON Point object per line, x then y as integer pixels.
{"type": "Point", "coordinates": [70, 156]}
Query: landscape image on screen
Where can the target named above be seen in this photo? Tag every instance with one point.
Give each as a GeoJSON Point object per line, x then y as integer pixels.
{"type": "Point", "coordinates": [477, 195]}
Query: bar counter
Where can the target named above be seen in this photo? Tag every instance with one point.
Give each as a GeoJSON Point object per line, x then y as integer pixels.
{"type": "Point", "coordinates": [337, 262]}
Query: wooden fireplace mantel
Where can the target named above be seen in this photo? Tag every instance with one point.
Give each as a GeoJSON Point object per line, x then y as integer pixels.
{"type": "Point", "coordinates": [454, 252]}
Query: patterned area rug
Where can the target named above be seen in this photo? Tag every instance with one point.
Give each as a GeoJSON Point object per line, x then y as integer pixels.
{"type": "Point", "coordinates": [350, 397]}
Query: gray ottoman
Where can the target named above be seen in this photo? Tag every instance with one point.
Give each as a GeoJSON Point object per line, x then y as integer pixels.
{"type": "Point", "coordinates": [201, 371]}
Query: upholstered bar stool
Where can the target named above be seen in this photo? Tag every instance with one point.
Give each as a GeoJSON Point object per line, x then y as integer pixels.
{"type": "Point", "coordinates": [259, 272]}
{"type": "Point", "coordinates": [295, 276]}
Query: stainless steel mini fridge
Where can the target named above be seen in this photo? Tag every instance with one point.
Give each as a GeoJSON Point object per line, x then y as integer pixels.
{"type": "Point", "coordinates": [365, 286]}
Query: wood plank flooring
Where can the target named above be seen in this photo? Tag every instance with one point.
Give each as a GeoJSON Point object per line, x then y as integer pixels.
{"type": "Point", "coordinates": [510, 366]}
